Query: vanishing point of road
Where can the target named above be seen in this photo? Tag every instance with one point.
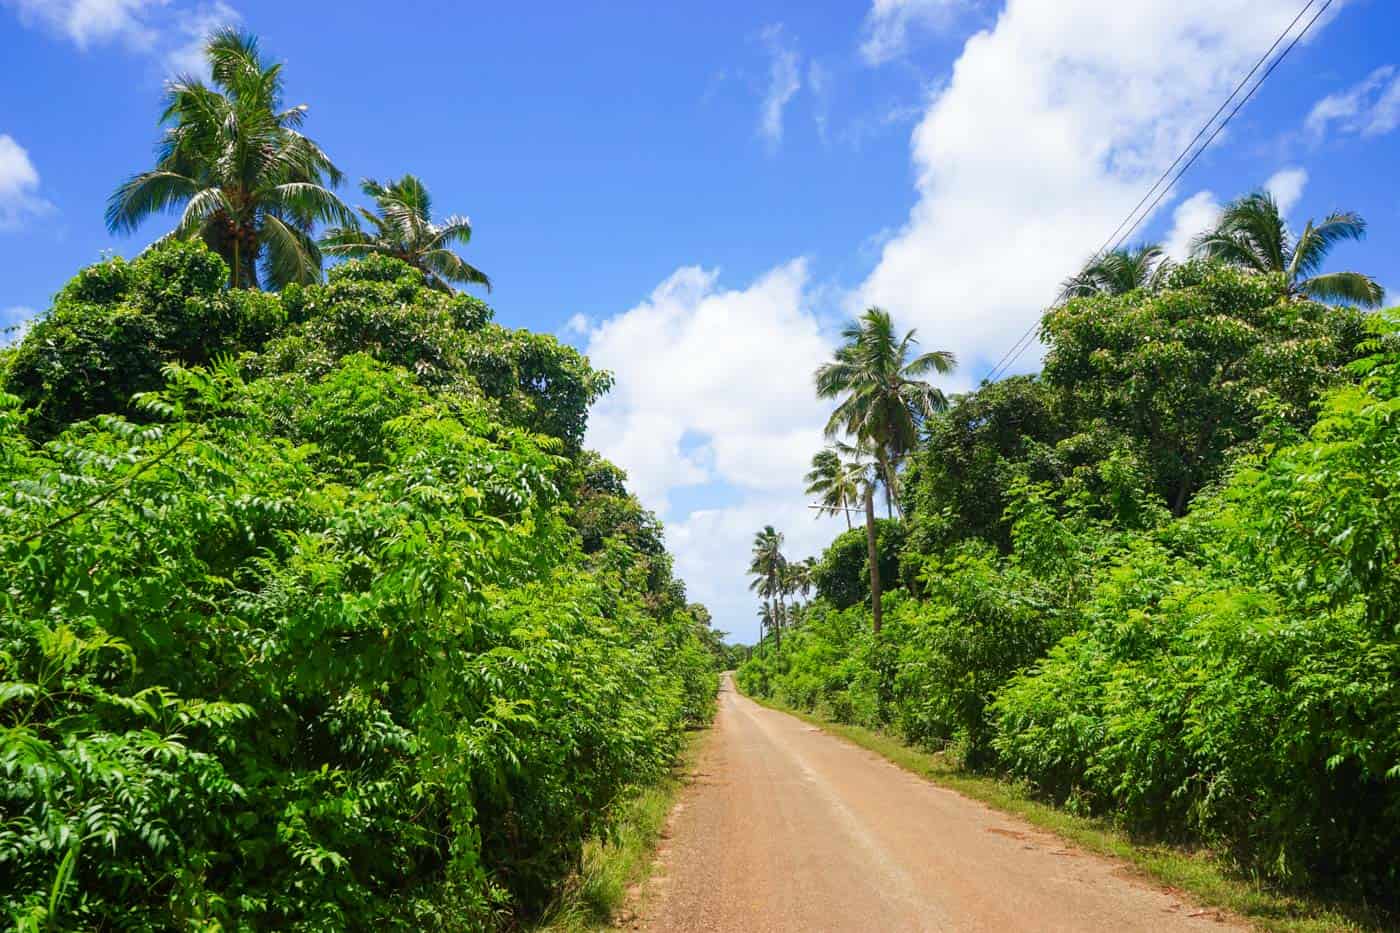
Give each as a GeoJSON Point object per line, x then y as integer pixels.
{"type": "Point", "coordinates": [787, 829]}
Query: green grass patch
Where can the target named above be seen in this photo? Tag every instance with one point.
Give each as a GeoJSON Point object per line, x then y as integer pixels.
{"type": "Point", "coordinates": [612, 866]}
{"type": "Point", "coordinates": [1205, 878]}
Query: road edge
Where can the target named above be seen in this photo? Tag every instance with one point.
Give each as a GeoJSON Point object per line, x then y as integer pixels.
{"type": "Point", "coordinates": [613, 882]}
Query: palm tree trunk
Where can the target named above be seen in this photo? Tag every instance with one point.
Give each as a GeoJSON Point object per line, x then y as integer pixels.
{"type": "Point", "coordinates": [777, 629]}
{"type": "Point", "coordinates": [237, 269]}
{"type": "Point", "coordinates": [887, 474]}
{"type": "Point", "coordinates": [778, 619]}
{"type": "Point", "coordinates": [873, 553]}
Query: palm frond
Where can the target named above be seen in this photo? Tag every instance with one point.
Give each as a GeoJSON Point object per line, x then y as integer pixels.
{"type": "Point", "coordinates": [1316, 242]}
{"type": "Point", "coordinates": [309, 202]}
{"type": "Point", "coordinates": [1344, 288]}
{"type": "Point", "coordinates": [146, 194]}
{"type": "Point", "coordinates": [290, 253]}
{"type": "Point", "coordinates": [453, 268]}
{"type": "Point", "coordinates": [350, 242]}
{"type": "Point", "coordinates": [198, 210]}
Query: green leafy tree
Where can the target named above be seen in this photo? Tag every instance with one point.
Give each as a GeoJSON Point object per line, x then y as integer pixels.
{"type": "Point", "coordinates": [1119, 271]}
{"type": "Point", "coordinates": [1252, 234]}
{"type": "Point", "coordinates": [1184, 376]}
{"type": "Point", "coordinates": [841, 573]}
{"type": "Point", "coordinates": [972, 455]}
{"type": "Point", "coordinates": [117, 324]}
{"type": "Point", "coordinates": [234, 161]}
{"type": "Point", "coordinates": [402, 228]}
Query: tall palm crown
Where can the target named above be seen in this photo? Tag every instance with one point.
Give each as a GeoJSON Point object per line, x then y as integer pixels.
{"type": "Point", "coordinates": [404, 229]}
{"type": "Point", "coordinates": [765, 619]}
{"type": "Point", "coordinates": [1252, 233]}
{"type": "Point", "coordinates": [251, 185]}
{"type": "Point", "coordinates": [768, 567]}
{"type": "Point", "coordinates": [835, 479]}
{"type": "Point", "coordinates": [768, 562]}
{"type": "Point", "coordinates": [1119, 272]}
{"type": "Point", "coordinates": [883, 397]}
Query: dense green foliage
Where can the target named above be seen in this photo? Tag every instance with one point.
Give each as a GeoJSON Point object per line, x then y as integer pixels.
{"type": "Point", "coordinates": [841, 577]}
{"type": "Point", "coordinates": [1160, 581]}
{"type": "Point", "coordinates": [334, 627]}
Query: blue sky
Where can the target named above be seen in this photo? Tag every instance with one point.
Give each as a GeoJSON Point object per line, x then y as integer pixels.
{"type": "Point", "coordinates": [696, 194]}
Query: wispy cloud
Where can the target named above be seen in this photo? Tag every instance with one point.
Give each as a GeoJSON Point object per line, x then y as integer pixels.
{"type": "Point", "coordinates": [1370, 107]}
{"type": "Point", "coordinates": [890, 23]}
{"type": "Point", "coordinates": [172, 31]}
{"type": "Point", "coordinates": [784, 81]}
{"type": "Point", "coordinates": [87, 23]}
{"type": "Point", "coordinates": [819, 80]}
{"type": "Point", "coordinates": [188, 32]}
{"type": "Point", "coordinates": [19, 186]}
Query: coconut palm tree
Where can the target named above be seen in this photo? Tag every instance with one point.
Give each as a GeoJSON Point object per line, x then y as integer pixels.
{"type": "Point", "coordinates": [1119, 272]}
{"type": "Point", "coordinates": [251, 185]}
{"type": "Point", "coordinates": [765, 622]}
{"type": "Point", "coordinates": [1252, 233]}
{"type": "Point", "coordinates": [884, 400]}
{"type": "Point", "coordinates": [403, 228]}
{"type": "Point", "coordinates": [804, 576]}
{"type": "Point", "coordinates": [835, 480]}
{"type": "Point", "coordinates": [767, 569]}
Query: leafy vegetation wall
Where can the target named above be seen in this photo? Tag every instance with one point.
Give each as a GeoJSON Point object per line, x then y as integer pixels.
{"type": "Point", "coordinates": [334, 626]}
{"type": "Point", "coordinates": [1160, 582]}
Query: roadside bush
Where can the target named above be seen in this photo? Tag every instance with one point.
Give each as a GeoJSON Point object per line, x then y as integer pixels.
{"type": "Point", "coordinates": [310, 642]}
{"type": "Point", "coordinates": [1248, 694]}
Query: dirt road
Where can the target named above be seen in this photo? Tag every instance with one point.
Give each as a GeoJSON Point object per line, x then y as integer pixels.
{"type": "Point", "coordinates": [787, 828]}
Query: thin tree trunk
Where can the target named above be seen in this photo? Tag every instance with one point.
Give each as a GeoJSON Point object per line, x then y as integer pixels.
{"type": "Point", "coordinates": [782, 610]}
{"type": "Point", "coordinates": [777, 629]}
{"type": "Point", "coordinates": [873, 553]}
{"type": "Point", "coordinates": [237, 266]}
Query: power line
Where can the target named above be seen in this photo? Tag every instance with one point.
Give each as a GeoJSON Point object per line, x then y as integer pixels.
{"type": "Point", "coordinates": [1205, 126]}
{"type": "Point", "coordinates": [1020, 346]}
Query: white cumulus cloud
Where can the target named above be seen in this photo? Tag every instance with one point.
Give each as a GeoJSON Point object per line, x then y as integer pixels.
{"type": "Point", "coordinates": [714, 392]}
{"type": "Point", "coordinates": [1286, 186]}
{"type": "Point", "coordinates": [1055, 121]}
{"type": "Point", "coordinates": [1191, 218]}
{"type": "Point", "coordinates": [1371, 107]}
{"type": "Point", "coordinates": [19, 186]}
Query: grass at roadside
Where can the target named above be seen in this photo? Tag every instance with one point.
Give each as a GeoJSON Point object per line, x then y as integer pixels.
{"type": "Point", "coordinates": [611, 868]}
{"type": "Point", "coordinates": [1203, 878]}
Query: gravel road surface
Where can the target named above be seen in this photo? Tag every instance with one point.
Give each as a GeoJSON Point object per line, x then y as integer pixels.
{"type": "Point", "coordinates": [788, 828]}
